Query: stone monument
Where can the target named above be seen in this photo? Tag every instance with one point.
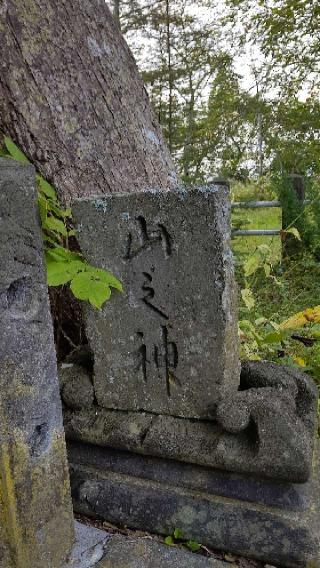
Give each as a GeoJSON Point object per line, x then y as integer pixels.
{"type": "Point", "coordinates": [36, 519]}
{"type": "Point", "coordinates": [165, 432]}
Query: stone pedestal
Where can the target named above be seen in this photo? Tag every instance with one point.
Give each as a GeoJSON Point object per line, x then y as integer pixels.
{"type": "Point", "coordinates": [36, 516]}
{"type": "Point", "coordinates": [276, 522]}
{"type": "Point", "coordinates": [165, 433]}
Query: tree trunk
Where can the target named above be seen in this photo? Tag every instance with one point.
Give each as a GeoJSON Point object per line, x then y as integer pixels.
{"type": "Point", "coordinates": [72, 99]}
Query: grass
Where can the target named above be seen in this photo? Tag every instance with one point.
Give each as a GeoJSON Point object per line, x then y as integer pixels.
{"type": "Point", "coordinates": [293, 287]}
{"type": "Point", "coordinates": [262, 218]}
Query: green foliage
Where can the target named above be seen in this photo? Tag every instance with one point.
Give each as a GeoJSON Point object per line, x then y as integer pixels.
{"type": "Point", "coordinates": [267, 328]}
{"type": "Point", "coordinates": [306, 219]}
{"type": "Point", "coordinates": [287, 32]}
{"type": "Point", "coordinates": [178, 538]}
{"type": "Point", "coordinates": [63, 265]}
{"type": "Point", "coordinates": [193, 545]}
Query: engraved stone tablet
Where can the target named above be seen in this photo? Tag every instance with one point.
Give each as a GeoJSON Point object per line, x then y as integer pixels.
{"type": "Point", "coordinates": [36, 516]}
{"type": "Point", "coordinates": [168, 344]}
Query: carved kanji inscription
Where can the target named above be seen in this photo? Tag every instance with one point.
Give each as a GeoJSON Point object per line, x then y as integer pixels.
{"type": "Point", "coordinates": [169, 344]}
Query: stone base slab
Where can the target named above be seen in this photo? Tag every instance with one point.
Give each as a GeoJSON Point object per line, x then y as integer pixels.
{"type": "Point", "coordinates": [95, 548]}
{"type": "Point", "coordinates": [275, 522]}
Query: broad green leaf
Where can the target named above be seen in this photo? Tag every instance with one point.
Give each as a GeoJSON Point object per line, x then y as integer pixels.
{"type": "Point", "coordinates": [80, 285]}
{"type": "Point", "coordinates": [46, 188]}
{"type": "Point", "coordinates": [107, 278]}
{"type": "Point", "coordinates": [55, 225]}
{"type": "Point", "coordinates": [99, 293]}
{"type": "Point", "coordinates": [193, 545]}
{"type": "Point", "coordinates": [273, 337]}
{"type": "Point", "coordinates": [59, 273]}
{"type": "Point", "coordinates": [251, 265]}
{"type": "Point", "coordinates": [85, 287]}
{"type": "Point", "coordinates": [90, 286]}
{"type": "Point", "coordinates": [14, 151]}
{"type": "Point", "coordinates": [169, 541]}
{"type": "Point", "coordinates": [61, 254]}
{"type": "Point", "coordinates": [248, 298]}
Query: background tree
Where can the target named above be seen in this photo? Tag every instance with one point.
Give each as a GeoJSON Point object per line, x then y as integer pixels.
{"type": "Point", "coordinates": [71, 97]}
{"type": "Point", "coordinates": [287, 33]}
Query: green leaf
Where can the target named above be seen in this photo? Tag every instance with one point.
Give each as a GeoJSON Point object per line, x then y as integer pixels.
{"type": "Point", "coordinates": [178, 534]}
{"type": "Point", "coordinates": [193, 545]}
{"type": "Point", "coordinates": [248, 298]}
{"type": "Point", "coordinates": [251, 265]}
{"type": "Point", "coordinates": [273, 337]}
{"type": "Point", "coordinates": [55, 225]}
{"type": "Point", "coordinates": [46, 188]}
{"type": "Point", "coordinates": [86, 287]}
{"type": "Point", "coordinates": [107, 278]}
{"type": "Point", "coordinates": [14, 151]}
{"type": "Point", "coordinates": [43, 209]}
{"type": "Point", "coordinates": [99, 293]}
{"type": "Point", "coordinates": [169, 541]}
{"type": "Point", "coordinates": [59, 273]}
{"type": "Point", "coordinates": [61, 254]}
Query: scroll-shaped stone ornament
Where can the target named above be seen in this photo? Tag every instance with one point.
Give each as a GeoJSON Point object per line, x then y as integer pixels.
{"type": "Point", "coordinates": [274, 418]}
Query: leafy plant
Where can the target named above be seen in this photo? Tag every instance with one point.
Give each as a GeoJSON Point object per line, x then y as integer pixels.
{"type": "Point", "coordinates": [177, 536]}
{"type": "Point", "coordinates": [65, 266]}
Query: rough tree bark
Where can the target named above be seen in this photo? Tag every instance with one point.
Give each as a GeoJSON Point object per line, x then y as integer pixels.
{"type": "Point", "coordinates": [72, 99]}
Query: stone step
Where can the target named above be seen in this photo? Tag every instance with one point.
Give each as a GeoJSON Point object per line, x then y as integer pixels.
{"type": "Point", "coordinates": [96, 548]}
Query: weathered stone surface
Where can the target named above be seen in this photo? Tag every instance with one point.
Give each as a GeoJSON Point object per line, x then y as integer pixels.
{"type": "Point", "coordinates": [100, 549]}
{"type": "Point", "coordinates": [277, 409]}
{"type": "Point", "coordinates": [301, 388]}
{"type": "Point", "coordinates": [36, 514]}
{"type": "Point", "coordinates": [274, 522]}
{"type": "Point", "coordinates": [279, 494]}
{"type": "Point", "coordinates": [122, 552]}
{"type": "Point", "coordinates": [89, 546]}
{"type": "Point", "coordinates": [267, 428]}
{"type": "Point", "coordinates": [169, 344]}
{"type": "Point", "coordinates": [76, 387]}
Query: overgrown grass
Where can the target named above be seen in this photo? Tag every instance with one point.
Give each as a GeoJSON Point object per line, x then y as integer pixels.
{"type": "Point", "coordinates": [294, 286]}
{"type": "Point", "coordinates": [262, 218]}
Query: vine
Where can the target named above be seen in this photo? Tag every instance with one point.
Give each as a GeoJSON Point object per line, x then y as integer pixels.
{"type": "Point", "coordinates": [64, 266]}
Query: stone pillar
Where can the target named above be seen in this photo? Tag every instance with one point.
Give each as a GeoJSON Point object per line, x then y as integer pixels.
{"type": "Point", "coordinates": [36, 517]}
{"type": "Point", "coordinates": [168, 345]}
